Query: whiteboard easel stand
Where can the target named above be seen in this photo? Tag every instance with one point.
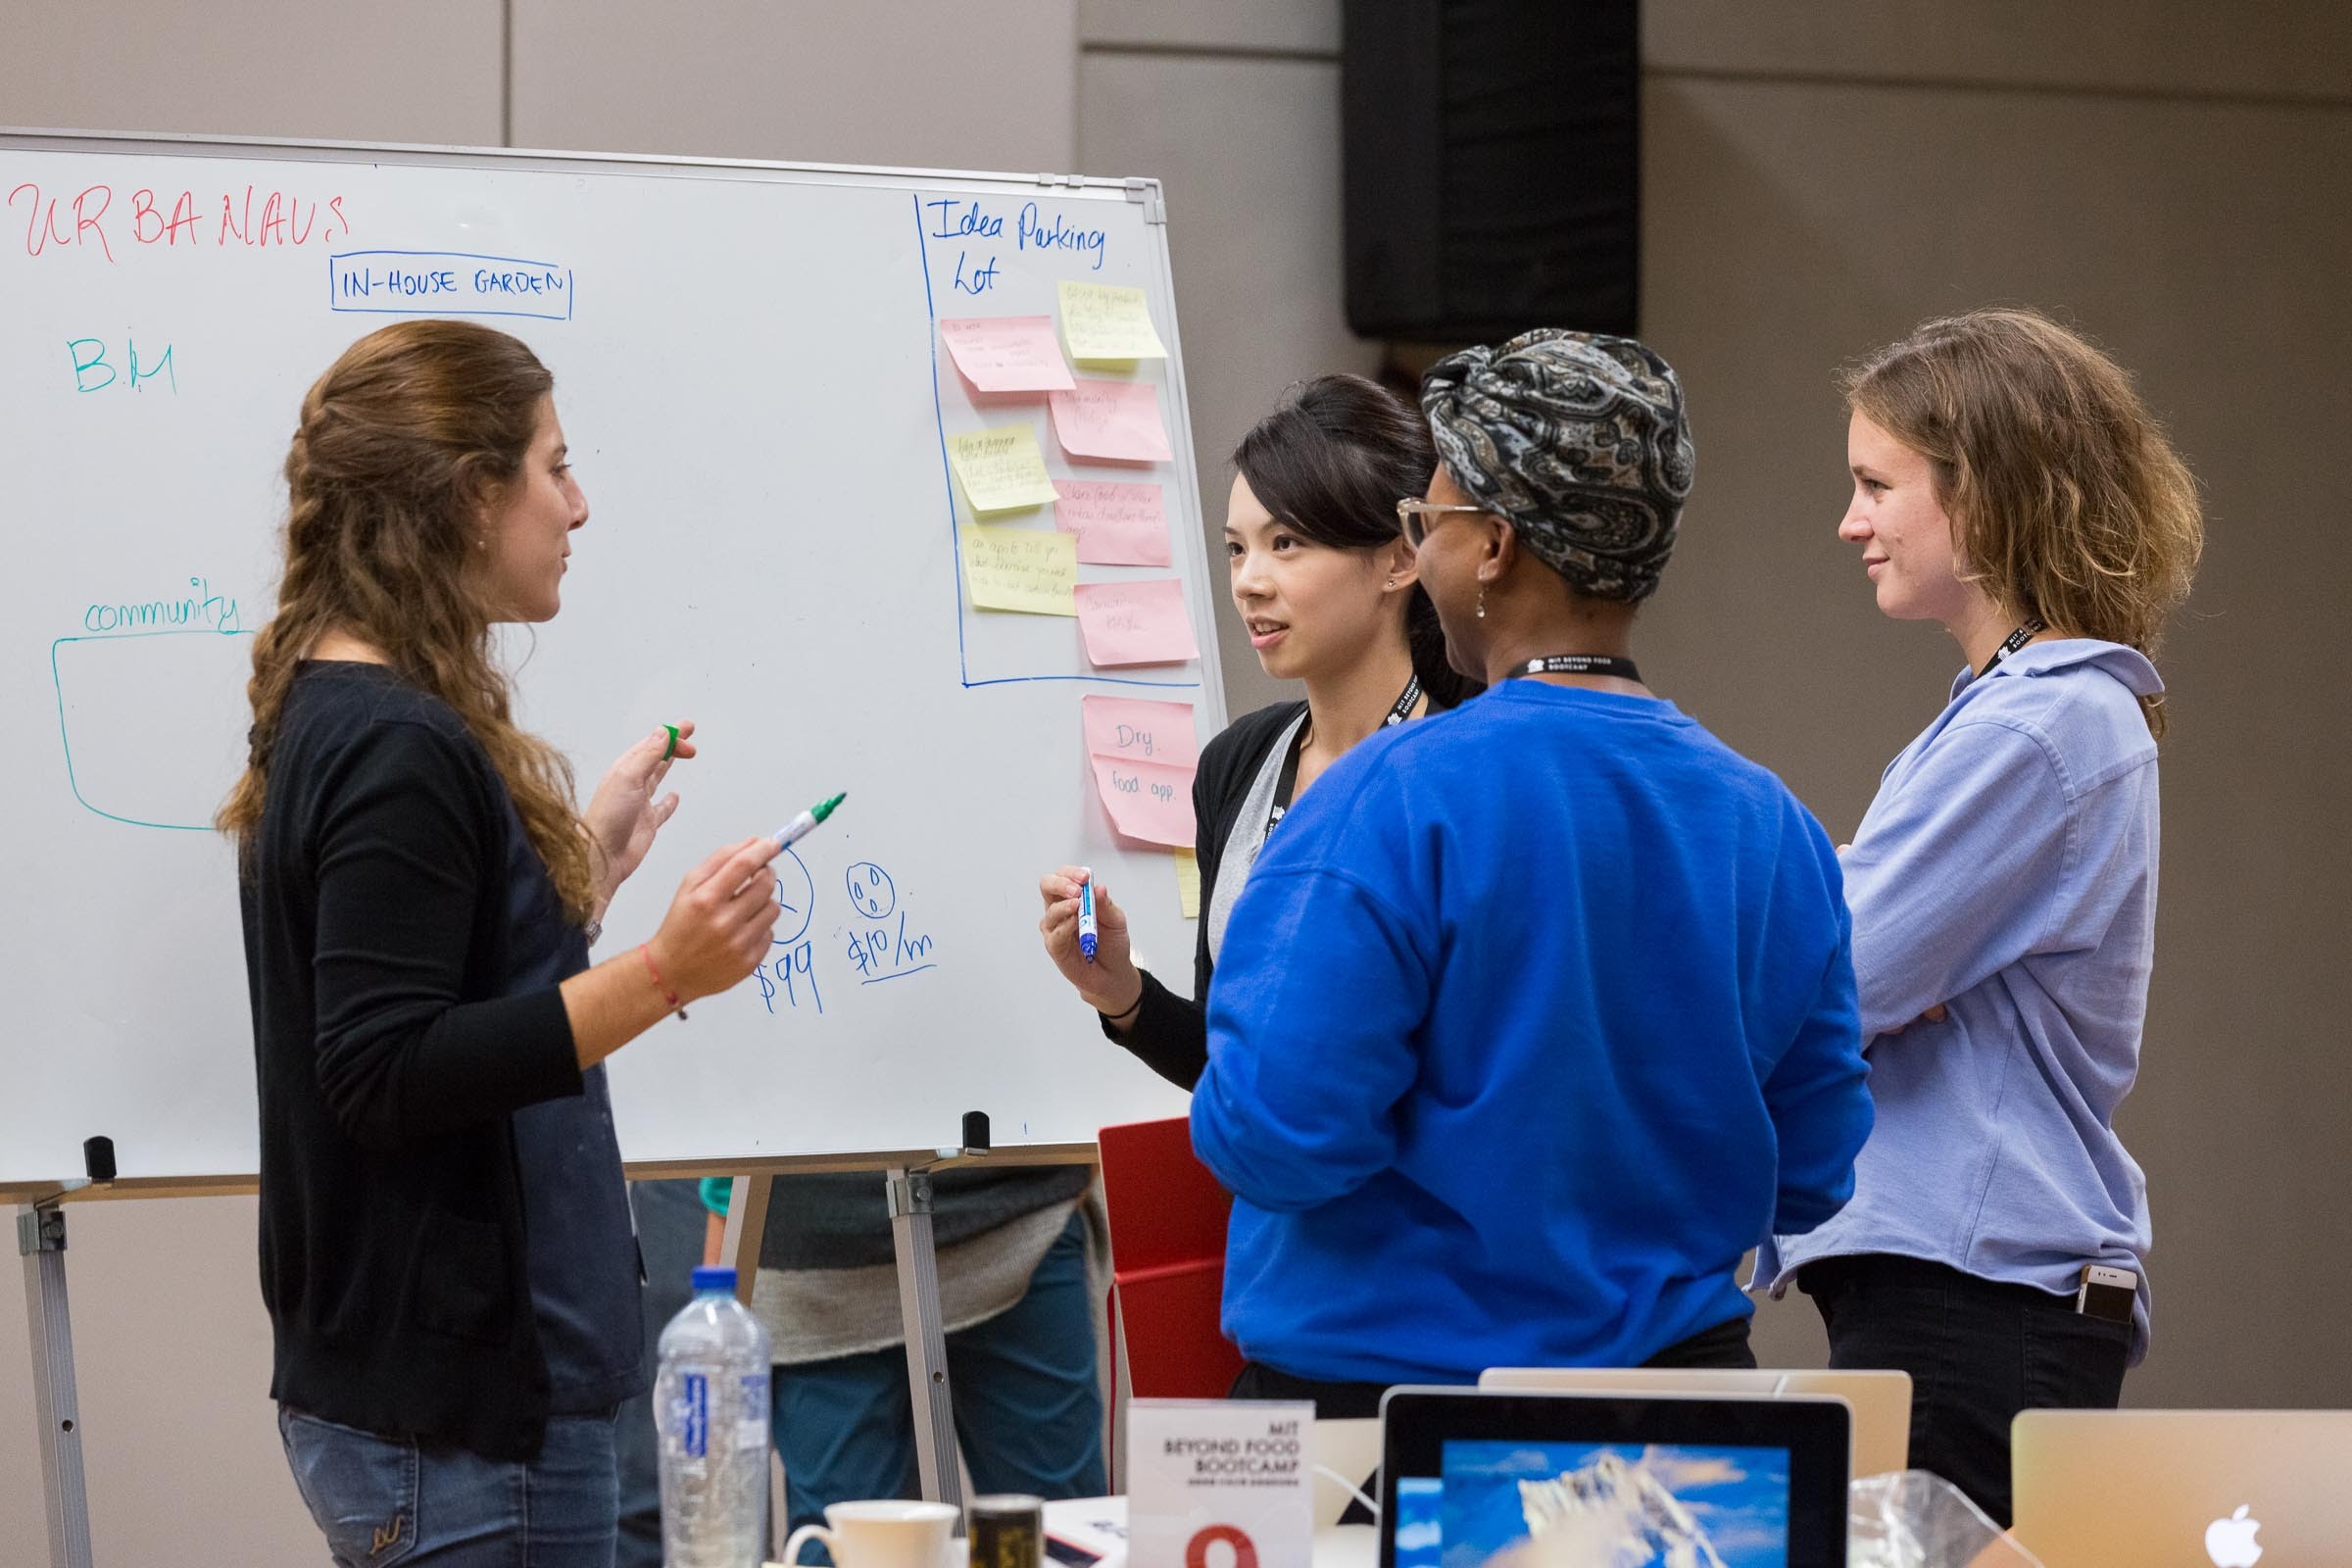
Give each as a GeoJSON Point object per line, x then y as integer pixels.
{"type": "Point", "coordinates": [910, 1197]}
{"type": "Point", "coordinates": [41, 1242]}
{"type": "Point", "coordinates": [907, 1196]}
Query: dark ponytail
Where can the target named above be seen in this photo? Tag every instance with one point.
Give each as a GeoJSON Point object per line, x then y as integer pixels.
{"type": "Point", "coordinates": [1330, 461]}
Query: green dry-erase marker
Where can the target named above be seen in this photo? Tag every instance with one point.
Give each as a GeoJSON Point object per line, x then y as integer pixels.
{"type": "Point", "coordinates": [801, 826]}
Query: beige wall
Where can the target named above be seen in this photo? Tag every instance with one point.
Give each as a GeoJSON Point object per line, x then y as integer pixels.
{"type": "Point", "coordinates": [1248, 142]}
{"type": "Point", "coordinates": [1814, 181]}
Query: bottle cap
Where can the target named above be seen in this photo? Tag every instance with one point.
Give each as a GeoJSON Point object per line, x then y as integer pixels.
{"type": "Point", "coordinates": [709, 1277]}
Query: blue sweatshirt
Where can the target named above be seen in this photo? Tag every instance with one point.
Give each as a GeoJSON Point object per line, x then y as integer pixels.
{"type": "Point", "coordinates": [1534, 1017]}
{"type": "Point", "coordinates": [2007, 869]}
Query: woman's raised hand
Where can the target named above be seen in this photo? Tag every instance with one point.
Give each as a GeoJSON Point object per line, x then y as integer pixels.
{"type": "Point", "coordinates": [719, 925]}
{"type": "Point", "coordinates": [627, 810]}
{"type": "Point", "coordinates": [1110, 984]}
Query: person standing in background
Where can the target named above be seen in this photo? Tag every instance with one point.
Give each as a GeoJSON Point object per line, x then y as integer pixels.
{"type": "Point", "coordinates": [1018, 1252]}
{"type": "Point", "coordinates": [2009, 484]}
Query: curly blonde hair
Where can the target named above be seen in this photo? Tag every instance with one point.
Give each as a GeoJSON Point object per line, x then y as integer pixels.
{"type": "Point", "coordinates": [2067, 499]}
{"type": "Point", "coordinates": [402, 442]}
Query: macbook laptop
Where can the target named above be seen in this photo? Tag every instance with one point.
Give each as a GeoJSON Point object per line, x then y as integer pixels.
{"type": "Point", "coordinates": [1881, 1401]}
{"type": "Point", "coordinates": [1486, 1479]}
{"type": "Point", "coordinates": [2184, 1489]}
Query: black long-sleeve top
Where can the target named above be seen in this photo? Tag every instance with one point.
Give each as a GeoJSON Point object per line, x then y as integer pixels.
{"type": "Point", "coordinates": [1169, 1033]}
{"type": "Point", "coordinates": [402, 946]}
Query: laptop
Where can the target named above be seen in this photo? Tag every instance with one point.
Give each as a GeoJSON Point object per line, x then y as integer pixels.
{"type": "Point", "coordinates": [1490, 1478]}
{"type": "Point", "coordinates": [1881, 1401]}
{"type": "Point", "coordinates": [2184, 1489]}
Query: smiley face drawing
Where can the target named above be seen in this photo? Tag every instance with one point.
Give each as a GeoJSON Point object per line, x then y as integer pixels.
{"type": "Point", "coordinates": [795, 893]}
{"type": "Point", "coordinates": [871, 891]}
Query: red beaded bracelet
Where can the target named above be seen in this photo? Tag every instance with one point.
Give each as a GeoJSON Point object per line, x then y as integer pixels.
{"type": "Point", "coordinates": [645, 951]}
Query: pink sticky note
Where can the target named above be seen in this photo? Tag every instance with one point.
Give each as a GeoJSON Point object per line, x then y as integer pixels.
{"type": "Point", "coordinates": [1116, 524]}
{"type": "Point", "coordinates": [1131, 729]}
{"type": "Point", "coordinates": [1146, 801]}
{"type": "Point", "coordinates": [1007, 352]}
{"type": "Point", "coordinates": [1115, 419]}
{"type": "Point", "coordinates": [1136, 623]}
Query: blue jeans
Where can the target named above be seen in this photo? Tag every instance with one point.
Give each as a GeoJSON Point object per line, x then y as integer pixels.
{"type": "Point", "coordinates": [1028, 1409]}
{"type": "Point", "coordinates": [670, 1219]}
{"type": "Point", "coordinates": [387, 1500]}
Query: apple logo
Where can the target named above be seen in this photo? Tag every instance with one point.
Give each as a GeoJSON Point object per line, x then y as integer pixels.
{"type": "Point", "coordinates": [2230, 1541]}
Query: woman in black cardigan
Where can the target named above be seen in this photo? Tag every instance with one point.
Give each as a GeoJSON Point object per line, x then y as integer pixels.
{"type": "Point", "coordinates": [446, 1251]}
{"type": "Point", "coordinates": [1327, 590]}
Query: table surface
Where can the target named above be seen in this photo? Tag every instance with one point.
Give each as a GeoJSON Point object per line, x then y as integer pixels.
{"type": "Point", "coordinates": [1100, 1524]}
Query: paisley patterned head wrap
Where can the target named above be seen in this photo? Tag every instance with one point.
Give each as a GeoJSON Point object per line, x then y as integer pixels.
{"type": "Point", "coordinates": [1581, 441]}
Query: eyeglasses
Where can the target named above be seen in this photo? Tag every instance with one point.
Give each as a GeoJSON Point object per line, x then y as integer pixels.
{"type": "Point", "coordinates": [1412, 517]}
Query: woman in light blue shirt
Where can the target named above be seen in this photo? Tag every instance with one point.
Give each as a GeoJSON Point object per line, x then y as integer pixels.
{"type": "Point", "coordinates": [2010, 484]}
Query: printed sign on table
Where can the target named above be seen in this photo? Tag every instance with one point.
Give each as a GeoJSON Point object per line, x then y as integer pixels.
{"type": "Point", "coordinates": [1209, 1473]}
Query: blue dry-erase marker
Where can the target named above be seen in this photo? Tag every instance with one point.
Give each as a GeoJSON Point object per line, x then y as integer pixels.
{"type": "Point", "coordinates": [1087, 939]}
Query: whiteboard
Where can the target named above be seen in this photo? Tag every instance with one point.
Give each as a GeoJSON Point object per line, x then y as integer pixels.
{"type": "Point", "coordinates": [749, 374]}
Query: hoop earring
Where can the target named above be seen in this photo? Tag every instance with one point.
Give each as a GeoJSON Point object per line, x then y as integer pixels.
{"type": "Point", "coordinates": [1481, 600]}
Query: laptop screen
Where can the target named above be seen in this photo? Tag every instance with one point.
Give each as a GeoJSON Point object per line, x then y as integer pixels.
{"type": "Point", "coordinates": [1548, 1481]}
{"type": "Point", "coordinates": [1536, 1504]}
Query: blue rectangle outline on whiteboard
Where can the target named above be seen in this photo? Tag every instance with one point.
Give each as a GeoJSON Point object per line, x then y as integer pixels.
{"type": "Point", "coordinates": [570, 289]}
{"type": "Point", "coordinates": [939, 420]}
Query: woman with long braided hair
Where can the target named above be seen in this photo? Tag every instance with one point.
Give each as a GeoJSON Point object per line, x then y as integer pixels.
{"type": "Point", "coordinates": [446, 1251]}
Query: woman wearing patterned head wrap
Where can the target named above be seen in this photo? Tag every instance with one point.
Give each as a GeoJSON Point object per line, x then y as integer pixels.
{"type": "Point", "coordinates": [1587, 1012]}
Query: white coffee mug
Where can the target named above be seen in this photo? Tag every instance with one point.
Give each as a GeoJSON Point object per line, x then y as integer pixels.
{"type": "Point", "coordinates": [881, 1535]}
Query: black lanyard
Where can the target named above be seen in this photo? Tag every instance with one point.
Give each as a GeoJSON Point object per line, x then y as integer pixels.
{"type": "Point", "coordinates": [1579, 664]}
{"type": "Point", "coordinates": [1286, 783]}
{"type": "Point", "coordinates": [2033, 627]}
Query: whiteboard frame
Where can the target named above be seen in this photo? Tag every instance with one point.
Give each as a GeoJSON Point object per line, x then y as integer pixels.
{"type": "Point", "coordinates": [1144, 190]}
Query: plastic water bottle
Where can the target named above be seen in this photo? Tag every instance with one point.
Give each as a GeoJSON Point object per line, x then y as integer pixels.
{"type": "Point", "coordinates": [711, 1408]}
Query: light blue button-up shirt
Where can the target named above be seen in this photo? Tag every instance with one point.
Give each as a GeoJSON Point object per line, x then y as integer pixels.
{"type": "Point", "coordinates": [2007, 869]}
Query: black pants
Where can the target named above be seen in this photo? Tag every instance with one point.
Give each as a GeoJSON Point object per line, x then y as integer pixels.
{"type": "Point", "coordinates": [1978, 1353]}
{"type": "Point", "coordinates": [1722, 1345]}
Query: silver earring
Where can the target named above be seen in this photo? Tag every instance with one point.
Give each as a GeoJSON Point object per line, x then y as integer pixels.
{"type": "Point", "coordinates": [1481, 600]}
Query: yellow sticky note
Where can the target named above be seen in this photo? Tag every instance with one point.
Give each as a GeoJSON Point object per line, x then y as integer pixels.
{"type": "Point", "coordinates": [1188, 883]}
{"type": "Point", "coordinates": [1027, 569]}
{"type": "Point", "coordinates": [1105, 322]}
{"type": "Point", "coordinates": [1001, 468]}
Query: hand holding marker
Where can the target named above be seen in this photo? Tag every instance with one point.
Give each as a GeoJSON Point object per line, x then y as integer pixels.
{"type": "Point", "coordinates": [754, 874]}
